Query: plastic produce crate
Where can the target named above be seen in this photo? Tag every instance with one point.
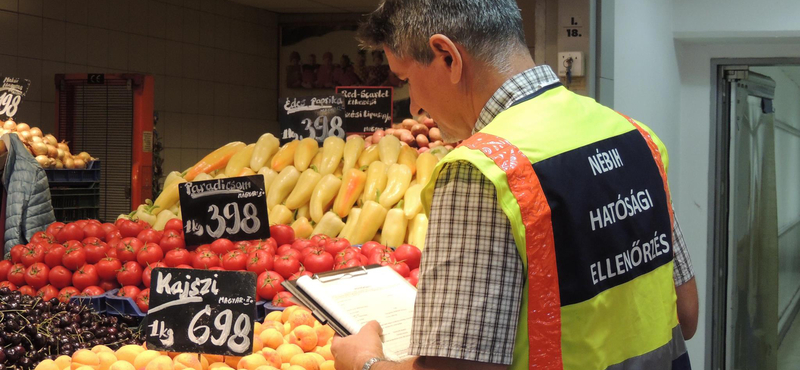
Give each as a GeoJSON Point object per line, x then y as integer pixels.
{"type": "Point", "coordinates": [121, 306]}
{"type": "Point", "coordinates": [98, 302]}
{"type": "Point", "coordinates": [268, 307]}
{"type": "Point", "coordinates": [75, 202]}
{"type": "Point", "coordinates": [90, 174]}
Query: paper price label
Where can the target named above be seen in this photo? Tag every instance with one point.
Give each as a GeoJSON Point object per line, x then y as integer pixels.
{"type": "Point", "coordinates": [11, 93]}
{"type": "Point", "coordinates": [316, 117]}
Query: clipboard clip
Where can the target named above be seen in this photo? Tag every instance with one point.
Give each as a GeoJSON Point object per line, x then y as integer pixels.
{"type": "Point", "coordinates": [341, 274]}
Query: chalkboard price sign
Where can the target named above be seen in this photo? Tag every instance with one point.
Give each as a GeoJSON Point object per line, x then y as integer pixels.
{"type": "Point", "coordinates": [11, 92]}
{"type": "Point", "coordinates": [205, 311]}
{"type": "Point", "coordinates": [315, 117]}
{"type": "Point", "coordinates": [234, 208]}
{"type": "Point", "coordinates": [367, 108]}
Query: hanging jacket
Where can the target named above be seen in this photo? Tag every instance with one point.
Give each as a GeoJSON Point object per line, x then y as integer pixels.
{"type": "Point", "coordinates": [586, 192]}
{"type": "Point", "coordinates": [28, 207]}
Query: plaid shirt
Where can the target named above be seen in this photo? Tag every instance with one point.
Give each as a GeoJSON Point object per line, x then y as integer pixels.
{"type": "Point", "coordinates": [471, 279]}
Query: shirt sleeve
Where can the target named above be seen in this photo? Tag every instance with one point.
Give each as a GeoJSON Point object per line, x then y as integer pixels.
{"type": "Point", "coordinates": [682, 267]}
{"type": "Point", "coordinates": [471, 276]}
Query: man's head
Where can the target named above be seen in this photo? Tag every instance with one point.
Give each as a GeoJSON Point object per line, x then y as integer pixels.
{"type": "Point", "coordinates": [447, 50]}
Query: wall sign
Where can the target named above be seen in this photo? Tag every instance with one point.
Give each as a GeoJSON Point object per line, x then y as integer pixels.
{"type": "Point", "coordinates": [11, 93]}
{"type": "Point", "coordinates": [96, 79]}
{"type": "Point", "coordinates": [314, 117]}
{"type": "Point", "coordinates": [367, 108]}
{"type": "Point", "coordinates": [234, 208]}
{"type": "Point", "coordinates": [203, 311]}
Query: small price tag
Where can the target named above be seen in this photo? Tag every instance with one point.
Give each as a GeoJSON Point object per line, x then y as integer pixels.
{"type": "Point", "coordinates": [367, 108]}
{"type": "Point", "coordinates": [11, 93]}
{"type": "Point", "coordinates": [203, 311]}
{"type": "Point", "coordinates": [234, 208]}
{"type": "Point", "coordinates": [314, 117]}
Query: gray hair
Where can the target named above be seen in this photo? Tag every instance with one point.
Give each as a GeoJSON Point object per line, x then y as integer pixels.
{"type": "Point", "coordinates": [490, 30]}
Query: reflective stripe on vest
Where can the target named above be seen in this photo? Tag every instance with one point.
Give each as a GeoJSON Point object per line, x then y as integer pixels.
{"type": "Point", "coordinates": [594, 297]}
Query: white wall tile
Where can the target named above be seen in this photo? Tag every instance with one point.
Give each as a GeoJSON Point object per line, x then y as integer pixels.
{"type": "Point", "coordinates": [222, 34]}
{"type": "Point", "coordinates": [205, 136]}
{"type": "Point", "coordinates": [270, 69]}
{"type": "Point", "coordinates": [238, 12]}
{"type": "Point", "coordinates": [267, 18]}
{"type": "Point", "coordinates": [192, 4]}
{"type": "Point", "coordinates": [189, 157]}
{"type": "Point", "coordinates": [222, 93]}
{"type": "Point", "coordinates": [222, 7]}
{"type": "Point", "coordinates": [206, 66]}
{"type": "Point", "coordinates": [207, 29]}
{"type": "Point", "coordinates": [237, 38]}
{"type": "Point", "coordinates": [97, 13]}
{"type": "Point", "coordinates": [252, 35]}
{"type": "Point", "coordinates": [76, 11]}
{"type": "Point", "coordinates": [156, 18]}
{"type": "Point", "coordinates": [97, 49]}
{"type": "Point", "coordinates": [160, 93]}
{"type": "Point", "coordinates": [174, 58]}
{"type": "Point", "coordinates": [189, 131]}
{"type": "Point", "coordinates": [191, 59]}
{"type": "Point", "coordinates": [8, 64]}
{"type": "Point", "coordinates": [189, 95]}
{"type": "Point", "coordinates": [237, 69]}
{"type": "Point", "coordinates": [29, 36]}
{"type": "Point", "coordinates": [77, 39]}
{"type": "Point", "coordinates": [10, 5]}
{"type": "Point", "coordinates": [170, 127]}
{"type": "Point", "coordinates": [138, 10]}
{"type": "Point", "coordinates": [78, 68]}
{"type": "Point", "coordinates": [222, 66]}
{"type": "Point", "coordinates": [191, 26]}
{"type": "Point", "coordinates": [47, 121]}
{"type": "Point", "coordinates": [156, 55]}
{"type": "Point", "coordinates": [8, 32]}
{"type": "Point", "coordinates": [172, 87]}
{"type": "Point", "coordinates": [173, 22]}
{"type": "Point", "coordinates": [205, 97]}
{"type": "Point", "coordinates": [238, 102]}
{"type": "Point", "coordinates": [29, 112]}
{"type": "Point", "coordinates": [206, 5]}
{"type": "Point", "coordinates": [272, 108]}
{"type": "Point", "coordinates": [119, 15]}
{"type": "Point", "coordinates": [31, 69]}
{"type": "Point", "coordinates": [172, 160]}
{"type": "Point", "coordinates": [54, 40]}
{"type": "Point", "coordinates": [54, 9]}
{"type": "Point", "coordinates": [117, 50]}
{"type": "Point", "coordinates": [137, 53]}
{"type": "Point", "coordinates": [32, 7]}
{"type": "Point", "coordinates": [49, 71]}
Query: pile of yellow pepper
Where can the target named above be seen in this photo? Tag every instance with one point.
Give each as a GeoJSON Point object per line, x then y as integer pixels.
{"type": "Point", "coordinates": [343, 189]}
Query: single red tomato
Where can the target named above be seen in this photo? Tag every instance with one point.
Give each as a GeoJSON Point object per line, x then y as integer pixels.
{"type": "Point", "coordinates": [301, 244]}
{"type": "Point", "coordinates": [81, 223]}
{"type": "Point", "coordinates": [345, 255]}
{"type": "Point", "coordinates": [381, 258]}
{"type": "Point", "coordinates": [36, 275]}
{"type": "Point", "coordinates": [92, 291]}
{"type": "Point", "coordinates": [128, 291]}
{"type": "Point", "coordinates": [414, 273]}
{"type": "Point", "coordinates": [379, 249]}
{"type": "Point", "coordinates": [70, 232]}
{"type": "Point", "coordinates": [171, 240]}
{"type": "Point", "coordinates": [174, 224]}
{"type": "Point", "coordinates": [203, 248]}
{"type": "Point", "coordinates": [53, 255]}
{"type": "Point", "coordinates": [234, 261]}
{"type": "Point", "coordinates": [300, 273]}
{"type": "Point", "coordinates": [286, 265]}
{"type": "Point", "coordinates": [148, 272]}
{"type": "Point", "coordinates": [54, 228]}
{"type": "Point", "coordinates": [344, 264]}
{"type": "Point", "coordinates": [409, 254]}
{"type": "Point", "coordinates": [5, 267]}
{"type": "Point", "coordinates": [111, 252]}
{"type": "Point", "coordinates": [337, 245]}
{"type": "Point", "coordinates": [47, 292]}
{"type": "Point", "coordinates": [282, 299]}
{"type": "Point", "coordinates": [130, 274]}
{"type": "Point", "coordinates": [8, 285]}
{"type": "Point", "coordinates": [292, 252]}
{"type": "Point", "coordinates": [128, 248]}
{"type": "Point", "coordinates": [318, 261]}
{"type": "Point", "coordinates": [401, 268]}
{"type": "Point", "coordinates": [60, 277]}
{"type": "Point", "coordinates": [270, 242]}
{"type": "Point", "coordinates": [68, 292]}
{"type": "Point", "coordinates": [94, 230]}
{"type": "Point", "coordinates": [73, 258]}
{"type": "Point", "coordinates": [218, 268]}
{"type": "Point", "coordinates": [108, 228]}
{"type": "Point", "coordinates": [95, 252]}
{"type": "Point", "coordinates": [308, 250]}
{"type": "Point", "coordinates": [114, 235]}
{"type": "Point", "coordinates": [259, 262]}
{"type": "Point", "coordinates": [205, 260]}
{"type": "Point", "coordinates": [284, 248]}
{"type": "Point", "coordinates": [42, 237]}
{"type": "Point", "coordinates": [86, 276]}
{"type": "Point", "coordinates": [143, 300]}
{"type": "Point", "coordinates": [27, 290]}
{"type": "Point", "coordinates": [149, 236]}
{"type": "Point", "coordinates": [107, 268]}
{"type": "Point", "coordinates": [34, 253]}
{"type": "Point", "coordinates": [150, 253]}
{"type": "Point", "coordinates": [243, 247]}
{"type": "Point", "coordinates": [283, 234]}
{"type": "Point", "coordinates": [367, 247]}
{"type": "Point", "coordinates": [222, 246]}
{"type": "Point", "coordinates": [412, 281]}
{"type": "Point", "coordinates": [129, 229]}
{"type": "Point", "coordinates": [144, 224]}
{"type": "Point", "coordinates": [16, 253]}
{"type": "Point", "coordinates": [268, 284]}
{"type": "Point", "coordinates": [108, 285]}
{"type": "Point", "coordinates": [177, 257]}
{"type": "Point", "coordinates": [16, 274]}
{"type": "Point", "coordinates": [183, 266]}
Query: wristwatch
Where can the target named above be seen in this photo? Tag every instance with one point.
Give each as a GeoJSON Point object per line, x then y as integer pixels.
{"type": "Point", "coordinates": [371, 362]}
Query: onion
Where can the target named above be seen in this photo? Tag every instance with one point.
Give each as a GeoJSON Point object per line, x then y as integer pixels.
{"type": "Point", "coordinates": [69, 162]}
{"type": "Point", "coordinates": [23, 127]}
{"type": "Point", "coordinates": [51, 139]}
{"type": "Point", "coordinates": [35, 131]}
{"type": "Point", "coordinates": [36, 139]}
{"type": "Point", "coordinates": [85, 156]}
{"type": "Point", "coordinates": [10, 125]}
{"type": "Point", "coordinates": [63, 146]}
{"type": "Point", "coordinates": [59, 164]}
{"type": "Point", "coordinates": [43, 160]}
{"type": "Point", "coordinates": [25, 136]}
{"type": "Point", "coordinates": [80, 163]}
{"type": "Point", "coordinates": [52, 151]}
{"type": "Point", "coordinates": [39, 148]}
{"type": "Point", "coordinates": [60, 153]}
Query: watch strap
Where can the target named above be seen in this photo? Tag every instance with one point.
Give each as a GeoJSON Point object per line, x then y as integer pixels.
{"type": "Point", "coordinates": [370, 362]}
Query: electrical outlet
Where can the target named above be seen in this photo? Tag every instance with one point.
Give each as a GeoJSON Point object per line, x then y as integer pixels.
{"type": "Point", "coordinates": [577, 63]}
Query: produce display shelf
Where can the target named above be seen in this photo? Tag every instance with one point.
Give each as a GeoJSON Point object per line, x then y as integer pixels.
{"type": "Point", "coordinates": [268, 307]}
{"type": "Point", "coordinates": [98, 302]}
{"type": "Point", "coordinates": [90, 174]}
{"type": "Point", "coordinates": [121, 306]}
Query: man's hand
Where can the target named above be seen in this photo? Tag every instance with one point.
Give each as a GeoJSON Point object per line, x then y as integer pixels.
{"type": "Point", "coordinates": [352, 352]}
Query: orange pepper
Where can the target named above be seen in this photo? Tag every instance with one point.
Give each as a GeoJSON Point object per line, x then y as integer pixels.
{"type": "Point", "coordinates": [352, 186]}
{"type": "Point", "coordinates": [215, 160]}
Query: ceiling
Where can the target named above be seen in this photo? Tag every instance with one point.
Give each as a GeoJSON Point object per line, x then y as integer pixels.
{"type": "Point", "coordinates": [313, 6]}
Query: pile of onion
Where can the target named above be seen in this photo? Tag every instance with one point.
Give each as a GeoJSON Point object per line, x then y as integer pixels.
{"type": "Point", "coordinates": [46, 149]}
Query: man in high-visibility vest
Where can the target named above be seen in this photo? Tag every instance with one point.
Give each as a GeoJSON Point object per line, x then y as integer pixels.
{"type": "Point", "coordinates": [552, 242]}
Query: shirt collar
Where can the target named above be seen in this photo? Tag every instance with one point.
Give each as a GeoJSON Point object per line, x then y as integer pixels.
{"type": "Point", "coordinates": [517, 87]}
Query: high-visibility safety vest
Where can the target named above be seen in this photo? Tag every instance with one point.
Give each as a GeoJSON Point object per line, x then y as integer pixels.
{"type": "Point", "coordinates": [585, 190]}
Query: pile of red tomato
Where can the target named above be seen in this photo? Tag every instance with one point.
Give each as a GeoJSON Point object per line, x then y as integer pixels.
{"type": "Point", "coordinates": [89, 258]}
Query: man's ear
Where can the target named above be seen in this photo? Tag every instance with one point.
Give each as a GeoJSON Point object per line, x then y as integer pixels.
{"type": "Point", "coordinates": [447, 55]}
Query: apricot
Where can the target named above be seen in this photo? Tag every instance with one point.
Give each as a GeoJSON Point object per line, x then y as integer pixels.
{"type": "Point", "coordinates": [106, 359]}
{"type": "Point", "coordinates": [287, 351]}
{"type": "Point", "coordinates": [129, 352]}
{"type": "Point", "coordinates": [327, 365]}
{"type": "Point", "coordinates": [324, 351]}
{"type": "Point", "coordinates": [85, 357]}
{"type": "Point", "coordinates": [161, 362]}
{"type": "Point", "coordinates": [317, 357]}
{"type": "Point", "coordinates": [304, 336]}
{"type": "Point", "coordinates": [185, 361]}
{"type": "Point", "coordinates": [266, 367]}
{"type": "Point", "coordinates": [301, 317]}
{"type": "Point", "coordinates": [272, 356]}
{"type": "Point", "coordinates": [288, 311]}
{"type": "Point", "coordinates": [144, 358]}
{"type": "Point", "coordinates": [63, 361]}
{"type": "Point", "coordinates": [271, 338]}
{"type": "Point", "coordinates": [251, 362]}
{"type": "Point", "coordinates": [121, 365]}
{"type": "Point", "coordinates": [324, 334]}
{"type": "Point", "coordinates": [101, 348]}
{"type": "Point", "coordinates": [273, 316]}
{"type": "Point", "coordinates": [232, 361]}
{"type": "Point", "coordinates": [47, 365]}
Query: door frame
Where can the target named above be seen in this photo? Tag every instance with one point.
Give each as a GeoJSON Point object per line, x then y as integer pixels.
{"type": "Point", "coordinates": [719, 181]}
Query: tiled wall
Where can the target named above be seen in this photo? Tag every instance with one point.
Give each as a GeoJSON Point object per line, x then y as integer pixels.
{"type": "Point", "coordinates": [214, 62]}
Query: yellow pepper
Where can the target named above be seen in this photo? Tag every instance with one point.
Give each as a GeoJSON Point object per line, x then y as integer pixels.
{"type": "Point", "coordinates": [399, 177]}
{"type": "Point", "coordinates": [280, 215]}
{"type": "Point", "coordinates": [203, 177]}
{"type": "Point", "coordinates": [303, 212]}
{"type": "Point", "coordinates": [350, 224]}
{"type": "Point", "coordinates": [162, 218]}
{"type": "Point", "coordinates": [369, 221]}
{"type": "Point", "coordinates": [329, 225]}
{"type": "Point", "coordinates": [172, 177]}
{"type": "Point", "coordinates": [425, 164]}
{"type": "Point", "coordinates": [389, 149]}
{"type": "Point", "coordinates": [215, 160]}
{"type": "Point", "coordinates": [352, 150]}
{"type": "Point", "coordinates": [413, 201]}
{"type": "Point", "coordinates": [306, 150]}
{"type": "Point", "coordinates": [352, 186]}
{"type": "Point", "coordinates": [332, 151]}
{"type": "Point", "coordinates": [301, 193]}
{"type": "Point", "coordinates": [376, 181]}
{"type": "Point", "coordinates": [323, 195]}
{"type": "Point", "coordinates": [266, 146]}
{"type": "Point", "coordinates": [269, 176]}
{"type": "Point", "coordinates": [417, 229]}
{"type": "Point", "coordinates": [408, 158]}
{"type": "Point", "coordinates": [239, 161]}
{"type": "Point", "coordinates": [145, 212]}
{"type": "Point", "coordinates": [317, 161]}
{"type": "Point", "coordinates": [281, 186]}
{"type": "Point", "coordinates": [285, 156]}
{"type": "Point", "coordinates": [369, 155]}
{"type": "Point", "coordinates": [393, 232]}
{"type": "Point", "coordinates": [175, 208]}
{"type": "Point", "coordinates": [168, 197]}
{"type": "Point", "coordinates": [221, 175]}
{"type": "Point", "coordinates": [247, 171]}
{"type": "Point", "coordinates": [302, 228]}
